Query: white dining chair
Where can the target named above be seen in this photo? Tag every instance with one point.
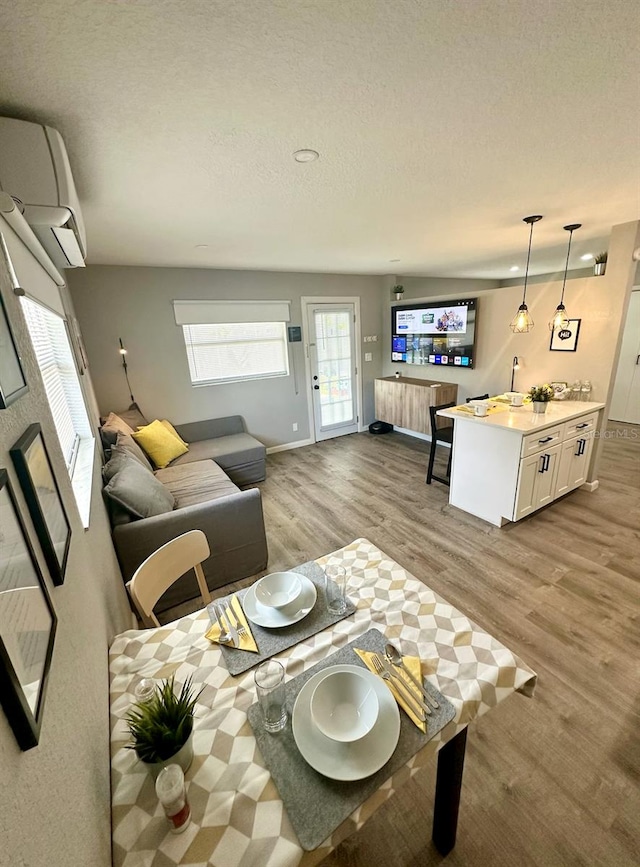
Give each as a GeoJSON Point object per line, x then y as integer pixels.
{"type": "Point", "coordinates": [163, 568]}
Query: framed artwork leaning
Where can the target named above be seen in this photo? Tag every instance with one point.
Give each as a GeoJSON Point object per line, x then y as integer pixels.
{"type": "Point", "coordinates": [40, 488]}
{"type": "Point", "coordinates": [27, 624]}
{"type": "Point", "coordinates": [13, 383]}
{"type": "Point", "coordinates": [566, 339]}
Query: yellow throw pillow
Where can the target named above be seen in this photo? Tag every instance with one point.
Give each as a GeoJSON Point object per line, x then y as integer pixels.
{"type": "Point", "coordinates": [160, 445]}
{"type": "Point", "coordinates": [172, 430]}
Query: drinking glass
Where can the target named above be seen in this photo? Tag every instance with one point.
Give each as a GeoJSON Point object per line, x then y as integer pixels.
{"type": "Point", "coordinates": [269, 679]}
{"type": "Point", "coordinates": [171, 793]}
{"type": "Point", "coordinates": [335, 588]}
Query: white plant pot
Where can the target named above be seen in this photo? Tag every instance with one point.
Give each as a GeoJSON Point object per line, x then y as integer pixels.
{"type": "Point", "coordinates": [539, 405]}
{"type": "Point", "coordinates": [399, 296]}
{"type": "Point", "coordinates": [183, 757]}
{"type": "Point", "coordinates": [599, 268]}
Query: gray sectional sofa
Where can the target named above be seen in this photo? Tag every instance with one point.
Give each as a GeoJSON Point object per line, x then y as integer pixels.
{"type": "Point", "coordinates": [199, 490]}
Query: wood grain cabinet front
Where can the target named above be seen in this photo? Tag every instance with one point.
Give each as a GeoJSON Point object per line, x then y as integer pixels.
{"type": "Point", "coordinates": [404, 401]}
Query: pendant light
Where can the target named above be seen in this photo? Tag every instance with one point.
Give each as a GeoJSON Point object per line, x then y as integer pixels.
{"type": "Point", "coordinates": [560, 318]}
{"type": "Point", "coordinates": [522, 321]}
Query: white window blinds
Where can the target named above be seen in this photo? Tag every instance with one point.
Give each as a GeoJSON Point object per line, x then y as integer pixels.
{"type": "Point", "coordinates": [234, 351]}
{"type": "Point", "coordinates": [51, 344]}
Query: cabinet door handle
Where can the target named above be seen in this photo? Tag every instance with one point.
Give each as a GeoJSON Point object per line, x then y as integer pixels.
{"type": "Point", "coordinates": [545, 440]}
{"type": "Point", "coordinates": [582, 426]}
{"type": "Point", "coordinates": [541, 467]}
{"type": "Point", "coordinates": [581, 443]}
{"type": "Point", "coordinates": [546, 466]}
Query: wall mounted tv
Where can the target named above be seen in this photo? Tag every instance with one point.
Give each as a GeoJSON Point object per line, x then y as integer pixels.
{"type": "Point", "coordinates": [437, 332]}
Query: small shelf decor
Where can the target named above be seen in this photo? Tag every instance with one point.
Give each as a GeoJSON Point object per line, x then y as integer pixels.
{"type": "Point", "coordinates": [600, 264]}
{"type": "Point", "coordinates": [398, 291]}
{"type": "Point", "coordinates": [540, 396]}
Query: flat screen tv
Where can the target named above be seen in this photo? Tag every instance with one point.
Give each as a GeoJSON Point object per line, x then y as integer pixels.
{"type": "Point", "coordinates": [435, 332]}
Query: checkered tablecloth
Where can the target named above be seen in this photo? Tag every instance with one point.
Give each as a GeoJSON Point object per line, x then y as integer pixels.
{"type": "Point", "coordinates": [238, 819]}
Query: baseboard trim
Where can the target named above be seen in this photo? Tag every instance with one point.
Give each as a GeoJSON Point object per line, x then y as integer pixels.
{"type": "Point", "coordinates": [418, 436]}
{"type": "Point", "coordinates": [285, 447]}
{"type": "Point", "coordinates": [591, 486]}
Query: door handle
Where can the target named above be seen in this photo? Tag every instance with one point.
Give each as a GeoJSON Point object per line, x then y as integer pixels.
{"type": "Point", "coordinates": [317, 387]}
{"type": "Point", "coordinates": [315, 378]}
{"type": "Point", "coordinates": [541, 467]}
{"type": "Point", "coordinates": [580, 451]}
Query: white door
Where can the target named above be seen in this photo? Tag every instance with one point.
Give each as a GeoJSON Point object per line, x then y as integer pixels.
{"type": "Point", "coordinates": [625, 401]}
{"type": "Point", "coordinates": [332, 361]}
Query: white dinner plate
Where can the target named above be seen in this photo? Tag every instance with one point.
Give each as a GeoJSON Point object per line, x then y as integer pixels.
{"type": "Point", "coordinates": [346, 761]}
{"type": "Point", "coordinates": [272, 618]}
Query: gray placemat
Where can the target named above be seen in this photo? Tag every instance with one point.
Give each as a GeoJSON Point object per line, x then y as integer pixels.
{"type": "Point", "coordinates": [272, 641]}
{"type": "Point", "coordinates": [315, 804]}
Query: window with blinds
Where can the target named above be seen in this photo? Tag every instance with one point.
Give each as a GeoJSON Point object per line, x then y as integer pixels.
{"type": "Point", "coordinates": [53, 351]}
{"type": "Point", "coordinates": [228, 352]}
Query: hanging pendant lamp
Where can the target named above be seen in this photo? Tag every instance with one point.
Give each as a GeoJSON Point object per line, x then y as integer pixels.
{"type": "Point", "coordinates": [560, 318]}
{"type": "Point", "coordinates": [522, 321]}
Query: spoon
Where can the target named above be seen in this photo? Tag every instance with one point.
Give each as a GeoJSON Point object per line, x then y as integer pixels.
{"type": "Point", "coordinates": [395, 658]}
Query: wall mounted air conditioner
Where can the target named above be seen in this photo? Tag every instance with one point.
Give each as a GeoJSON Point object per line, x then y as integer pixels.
{"type": "Point", "coordinates": [35, 172]}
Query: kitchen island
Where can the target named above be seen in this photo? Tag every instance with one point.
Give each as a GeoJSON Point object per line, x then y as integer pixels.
{"type": "Point", "coordinates": [513, 461]}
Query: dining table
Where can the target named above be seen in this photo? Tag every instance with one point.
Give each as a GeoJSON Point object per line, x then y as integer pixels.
{"type": "Point", "coordinates": [238, 815]}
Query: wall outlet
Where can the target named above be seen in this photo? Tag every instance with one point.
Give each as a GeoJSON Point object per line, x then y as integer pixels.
{"type": "Point", "coordinates": [295, 425]}
{"type": "Point", "coordinates": [368, 356]}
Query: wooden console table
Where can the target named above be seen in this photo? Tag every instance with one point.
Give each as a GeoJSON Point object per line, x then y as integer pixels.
{"type": "Point", "coordinates": [405, 401]}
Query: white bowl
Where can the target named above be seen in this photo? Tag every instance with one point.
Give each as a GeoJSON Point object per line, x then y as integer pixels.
{"type": "Point", "coordinates": [344, 706]}
{"type": "Point", "coordinates": [278, 589]}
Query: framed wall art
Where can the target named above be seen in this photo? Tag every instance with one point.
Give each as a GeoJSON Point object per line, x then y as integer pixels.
{"type": "Point", "coordinates": [42, 494]}
{"type": "Point", "coordinates": [27, 625]}
{"type": "Point", "coordinates": [566, 339]}
{"type": "Point", "coordinates": [13, 383]}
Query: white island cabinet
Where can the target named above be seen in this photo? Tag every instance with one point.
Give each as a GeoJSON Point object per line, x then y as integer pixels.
{"type": "Point", "coordinates": [514, 461]}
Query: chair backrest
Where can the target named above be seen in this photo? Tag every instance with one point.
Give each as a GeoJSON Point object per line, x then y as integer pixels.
{"type": "Point", "coordinates": [436, 422]}
{"type": "Point", "coordinates": [479, 397]}
{"type": "Point", "coordinates": [163, 568]}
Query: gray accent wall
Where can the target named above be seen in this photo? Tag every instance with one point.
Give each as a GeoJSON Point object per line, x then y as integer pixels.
{"type": "Point", "coordinates": [55, 798]}
{"type": "Point", "coordinates": [135, 303]}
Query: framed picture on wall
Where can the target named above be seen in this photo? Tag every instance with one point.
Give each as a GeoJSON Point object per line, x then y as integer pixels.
{"type": "Point", "coordinates": [27, 624]}
{"type": "Point", "coordinates": [13, 383]}
{"type": "Point", "coordinates": [566, 339]}
{"type": "Point", "coordinates": [42, 494]}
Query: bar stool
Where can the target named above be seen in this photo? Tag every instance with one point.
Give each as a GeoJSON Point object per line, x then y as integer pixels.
{"type": "Point", "coordinates": [479, 397]}
{"type": "Point", "coordinates": [439, 435]}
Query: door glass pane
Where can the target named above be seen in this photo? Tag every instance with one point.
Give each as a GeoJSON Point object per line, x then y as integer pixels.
{"type": "Point", "coordinates": [335, 365]}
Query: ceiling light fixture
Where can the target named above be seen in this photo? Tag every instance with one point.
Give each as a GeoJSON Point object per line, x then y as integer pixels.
{"type": "Point", "coordinates": [522, 321]}
{"type": "Point", "coordinates": [514, 268]}
{"type": "Point", "coordinates": [202, 247]}
{"type": "Point", "coordinates": [394, 260]}
{"type": "Point", "coordinates": [306, 155]}
{"type": "Point", "coordinates": [560, 318]}
{"type": "Point", "coordinates": [586, 257]}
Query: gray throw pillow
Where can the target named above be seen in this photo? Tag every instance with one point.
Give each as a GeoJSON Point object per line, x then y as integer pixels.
{"type": "Point", "coordinates": [139, 492]}
{"type": "Point", "coordinates": [128, 444]}
{"type": "Point", "coordinates": [119, 459]}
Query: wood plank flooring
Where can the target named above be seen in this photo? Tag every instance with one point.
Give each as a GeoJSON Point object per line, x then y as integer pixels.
{"type": "Point", "coordinates": [550, 781]}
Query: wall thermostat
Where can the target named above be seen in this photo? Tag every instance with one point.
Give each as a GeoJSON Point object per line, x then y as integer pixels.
{"type": "Point", "coordinates": [295, 333]}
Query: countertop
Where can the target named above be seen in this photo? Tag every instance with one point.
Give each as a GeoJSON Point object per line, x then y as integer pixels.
{"type": "Point", "coordinates": [523, 420]}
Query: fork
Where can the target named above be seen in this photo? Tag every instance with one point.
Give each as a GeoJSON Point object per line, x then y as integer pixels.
{"type": "Point", "coordinates": [240, 629]}
{"type": "Point", "coordinates": [384, 674]}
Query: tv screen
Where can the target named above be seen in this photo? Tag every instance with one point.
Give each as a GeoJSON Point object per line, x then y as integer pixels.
{"type": "Point", "coordinates": [434, 332]}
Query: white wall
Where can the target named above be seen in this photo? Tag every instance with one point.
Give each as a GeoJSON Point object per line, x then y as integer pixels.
{"type": "Point", "coordinates": [136, 304]}
{"type": "Point", "coordinates": [55, 798]}
{"type": "Point", "coordinates": [600, 302]}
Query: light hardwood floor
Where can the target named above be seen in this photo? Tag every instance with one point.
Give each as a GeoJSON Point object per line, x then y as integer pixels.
{"type": "Point", "coordinates": [550, 781]}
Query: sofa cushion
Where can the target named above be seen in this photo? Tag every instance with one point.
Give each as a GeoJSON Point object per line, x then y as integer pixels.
{"type": "Point", "coordinates": [119, 459]}
{"type": "Point", "coordinates": [197, 482]}
{"type": "Point", "coordinates": [139, 492]}
{"type": "Point", "coordinates": [159, 444]}
{"type": "Point", "coordinates": [173, 431]}
{"type": "Point", "coordinates": [128, 444]}
{"type": "Point", "coordinates": [228, 451]}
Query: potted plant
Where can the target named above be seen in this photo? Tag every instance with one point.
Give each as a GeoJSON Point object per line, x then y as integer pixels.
{"type": "Point", "coordinates": [540, 396]}
{"type": "Point", "coordinates": [398, 291]}
{"type": "Point", "coordinates": [161, 727]}
{"type": "Point", "coordinates": [600, 264]}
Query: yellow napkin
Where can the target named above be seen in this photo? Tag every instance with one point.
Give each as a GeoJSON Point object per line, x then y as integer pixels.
{"type": "Point", "coordinates": [492, 410]}
{"type": "Point", "coordinates": [247, 641]}
{"type": "Point", "coordinates": [413, 664]}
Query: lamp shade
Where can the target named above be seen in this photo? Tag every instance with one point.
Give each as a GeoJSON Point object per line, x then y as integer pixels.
{"type": "Point", "coordinates": [523, 321]}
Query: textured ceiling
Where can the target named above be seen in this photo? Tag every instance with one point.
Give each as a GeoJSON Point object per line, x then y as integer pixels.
{"type": "Point", "coordinates": [440, 125]}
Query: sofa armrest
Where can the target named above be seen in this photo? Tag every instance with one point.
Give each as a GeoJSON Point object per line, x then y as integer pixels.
{"type": "Point", "coordinates": [233, 525]}
{"type": "Point", "coordinates": [211, 428]}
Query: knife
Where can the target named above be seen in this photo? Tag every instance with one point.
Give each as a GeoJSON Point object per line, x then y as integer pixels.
{"type": "Point", "coordinates": [233, 632]}
{"type": "Point", "coordinates": [417, 699]}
